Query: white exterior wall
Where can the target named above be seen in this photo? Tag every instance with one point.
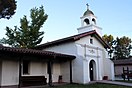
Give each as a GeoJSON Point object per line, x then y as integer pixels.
{"type": "Point", "coordinates": [91, 52]}
{"type": "Point", "coordinates": [97, 53]}
{"type": "Point", "coordinates": [56, 72]}
{"type": "Point", "coordinates": [66, 48]}
{"type": "Point", "coordinates": [119, 69]}
{"type": "Point", "coordinates": [85, 52]}
{"type": "Point", "coordinates": [10, 73]}
{"type": "Point", "coordinates": [65, 71]}
{"type": "Point", "coordinates": [90, 27]}
{"type": "Point", "coordinates": [77, 64]}
{"type": "Point", "coordinates": [109, 69]}
{"type": "Point", "coordinates": [40, 69]}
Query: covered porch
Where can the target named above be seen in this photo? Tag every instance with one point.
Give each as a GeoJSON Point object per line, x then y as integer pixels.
{"type": "Point", "coordinates": [34, 65]}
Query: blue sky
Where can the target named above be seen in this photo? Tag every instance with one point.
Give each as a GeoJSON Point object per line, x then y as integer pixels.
{"type": "Point", "coordinates": [113, 16]}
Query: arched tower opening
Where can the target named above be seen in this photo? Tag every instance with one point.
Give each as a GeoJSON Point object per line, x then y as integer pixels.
{"type": "Point", "coordinates": [86, 22]}
{"type": "Point", "coordinates": [93, 21]}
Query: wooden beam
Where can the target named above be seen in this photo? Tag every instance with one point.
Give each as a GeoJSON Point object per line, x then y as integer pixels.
{"type": "Point", "coordinates": [20, 71]}
{"type": "Point", "coordinates": [50, 72]}
{"type": "Point", "coordinates": [71, 71]}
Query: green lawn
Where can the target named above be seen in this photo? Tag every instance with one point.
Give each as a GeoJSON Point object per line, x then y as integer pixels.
{"type": "Point", "coordinates": [91, 86]}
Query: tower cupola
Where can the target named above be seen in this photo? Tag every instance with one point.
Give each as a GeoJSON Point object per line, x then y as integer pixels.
{"type": "Point", "coordinates": [89, 22]}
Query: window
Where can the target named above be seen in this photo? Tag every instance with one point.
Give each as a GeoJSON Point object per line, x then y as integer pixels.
{"type": "Point", "coordinates": [26, 67]}
{"type": "Point", "coordinates": [91, 41]}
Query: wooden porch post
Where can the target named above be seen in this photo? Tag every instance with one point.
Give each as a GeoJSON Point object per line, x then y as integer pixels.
{"type": "Point", "coordinates": [70, 71]}
{"type": "Point", "coordinates": [20, 70]}
{"type": "Point", "coordinates": [50, 72]}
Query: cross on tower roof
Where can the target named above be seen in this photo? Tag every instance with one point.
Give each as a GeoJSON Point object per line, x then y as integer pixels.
{"type": "Point", "coordinates": [87, 6]}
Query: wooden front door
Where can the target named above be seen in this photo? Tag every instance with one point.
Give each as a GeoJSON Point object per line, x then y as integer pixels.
{"type": "Point", "coordinates": [91, 71]}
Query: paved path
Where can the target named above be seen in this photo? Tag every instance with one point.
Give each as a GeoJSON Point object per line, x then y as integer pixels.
{"type": "Point", "coordinates": [101, 81]}
{"type": "Point", "coordinates": [115, 83]}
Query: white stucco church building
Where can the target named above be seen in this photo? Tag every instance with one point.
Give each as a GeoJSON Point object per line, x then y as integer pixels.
{"type": "Point", "coordinates": [80, 58]}
{"type": "Point", "coordinates": [91, 62]}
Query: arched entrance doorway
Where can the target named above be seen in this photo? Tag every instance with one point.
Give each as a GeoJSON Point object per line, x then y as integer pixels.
{"type": "Point", "coordinates": [92, 70]}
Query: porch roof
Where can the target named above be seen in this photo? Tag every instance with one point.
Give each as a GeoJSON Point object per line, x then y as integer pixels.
{"type": "Point", "coordinates": [122, 62]}
{"type": "Point", "coordinates": [32, 52]}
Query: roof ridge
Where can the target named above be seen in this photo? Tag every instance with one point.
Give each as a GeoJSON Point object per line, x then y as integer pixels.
{"type": "Point", "coordinates": [70, 38]}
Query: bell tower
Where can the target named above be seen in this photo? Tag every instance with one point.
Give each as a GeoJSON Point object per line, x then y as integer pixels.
{"type": "Point", "coordinates": [89, 22]}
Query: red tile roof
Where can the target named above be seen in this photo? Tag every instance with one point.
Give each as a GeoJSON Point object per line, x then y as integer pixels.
{"type": "Point", "coordinates": [73, 38]}
{"type": "Point", "coordinates": [122, 62]}
{"type": "Point", "coordinates": [6, 50]}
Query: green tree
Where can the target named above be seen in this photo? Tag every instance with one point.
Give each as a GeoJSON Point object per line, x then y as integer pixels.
{"type": "Point", "coordinates": [7, 8]}
{"type": "Point", "coordinates": [122, 48]}
{"type": "Point", "coordinates": [109, 39]}
{"type": "Point", "coordinates": [28, 35]}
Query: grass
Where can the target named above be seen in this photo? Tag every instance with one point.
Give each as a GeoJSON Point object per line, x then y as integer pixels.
{"type": "Point", "coordinates": [96, 85]}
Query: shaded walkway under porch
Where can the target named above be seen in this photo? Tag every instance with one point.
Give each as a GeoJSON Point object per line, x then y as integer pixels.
{"type": "Point", "coordinates": [43, 86]}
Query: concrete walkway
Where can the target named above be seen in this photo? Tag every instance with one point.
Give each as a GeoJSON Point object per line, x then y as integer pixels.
{"type": "Point", "coordinates": [115, 83]}
{"type": "Point", "coordinates": [92, 82]}
{"type": "Point", "coordinates": [101, 81]}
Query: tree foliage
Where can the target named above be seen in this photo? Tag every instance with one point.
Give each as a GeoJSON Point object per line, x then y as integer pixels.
{"type": "Point", "coordinates": [28, 35]}
{"type": "Point", "coordinates": [120, 48]}
{"type": "Point", "coordinates": [109, 39]}
{"type": "Point", "coordinates": [7, 8]}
